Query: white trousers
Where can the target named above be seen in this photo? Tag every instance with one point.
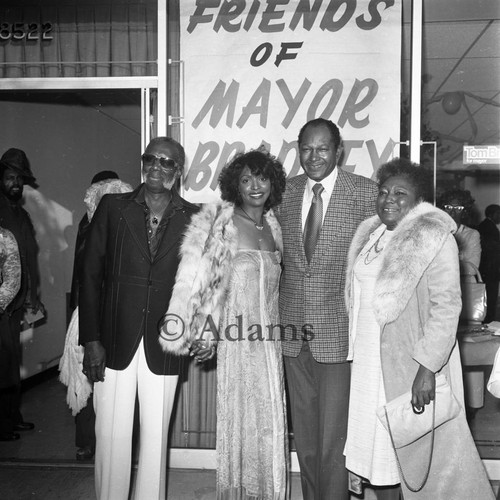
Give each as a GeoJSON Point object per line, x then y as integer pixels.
{"type": "Point", "coordinates": [114, 401]}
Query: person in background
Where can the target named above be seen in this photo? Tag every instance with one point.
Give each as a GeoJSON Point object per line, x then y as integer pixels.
{"type": "Point", "coordinates": [230, 269]}
{"type": "Point", "coordinates": [15, 172]}
{"type": "Point", "coordinates": [83, 226]}
{"type": "Point", "coordinates": [490, 258]}
{"type": "Point", "coordinates": [78, 385]}
{"type": "Point", "coordinates": [130, 259]}
{"type": "Point", "coordinates": [10, 272]}
{"type": "Point", "coordinates": [403, 297]}
{"type": "Point", "coordinates": [320, 212]}
{"type": "Point", "coordinates": [458, 203]}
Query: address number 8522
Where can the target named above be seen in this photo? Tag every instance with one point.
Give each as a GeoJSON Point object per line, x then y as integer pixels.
{"type": "Point", "coordinates": [30, 31]}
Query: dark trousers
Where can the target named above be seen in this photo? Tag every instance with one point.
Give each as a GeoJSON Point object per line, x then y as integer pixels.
{"type": "Point", "coordinates": [85, 425]}
{"type": "Point", "coordinates": [10, 401]}
{"type": "Point", "coordinates": [319, 401]}
{"type": "Point", "coordinates": [491, 299]}
{"type": "Point", "coordinates": [10, 362]}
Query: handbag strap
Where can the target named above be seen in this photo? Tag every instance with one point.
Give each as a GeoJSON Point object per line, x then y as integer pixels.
{"type": "Point", "coordinates": [476, 274]}
{"type": "Point", "coordinates": [415, 489]}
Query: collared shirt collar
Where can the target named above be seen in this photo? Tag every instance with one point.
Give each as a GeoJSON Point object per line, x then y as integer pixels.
{"type": "Point", "coordinates": [328, 184]}
{"type": "Point", "coordinates": [155, 236]}
{"type": "Point", "coordinates": [176, 200]}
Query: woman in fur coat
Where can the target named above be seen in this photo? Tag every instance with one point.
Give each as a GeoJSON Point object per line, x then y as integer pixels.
{"type": "Point", "coordinates": [403, 296]}
{"type": "Point", "coordinates": [226, 294]}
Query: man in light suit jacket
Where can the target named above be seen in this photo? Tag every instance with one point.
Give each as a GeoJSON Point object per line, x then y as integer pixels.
{"type": "Point", "coordinates": [130, 261]}
{"type": "Point", "coordinates": [312, 308]}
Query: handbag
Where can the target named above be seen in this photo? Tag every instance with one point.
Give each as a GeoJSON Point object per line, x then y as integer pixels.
{"type": "Point", "coordinates": [405, 426]}
{"type": "Point", "coordinates": [473, 296]}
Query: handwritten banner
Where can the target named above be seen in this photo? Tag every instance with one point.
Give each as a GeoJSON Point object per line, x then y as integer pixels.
{"type": "Point", "coordinates": [257, 70]}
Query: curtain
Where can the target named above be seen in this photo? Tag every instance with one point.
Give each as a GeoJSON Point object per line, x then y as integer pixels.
{"type": "Point", "coordinates": [194, 418]}
{"type": "Point", "coordinates": [87, 40]}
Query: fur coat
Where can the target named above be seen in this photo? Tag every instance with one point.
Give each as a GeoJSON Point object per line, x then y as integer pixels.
{"type": "Point", "coordinates": [417, 304]}
{"type": "Point", "coordinates": [207, 250]}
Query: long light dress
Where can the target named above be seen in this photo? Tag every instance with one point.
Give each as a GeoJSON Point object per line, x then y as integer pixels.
{"type": "Point", "coordinates": [252, 447]}
{"type": "Point", "coordinates": [368, 449]}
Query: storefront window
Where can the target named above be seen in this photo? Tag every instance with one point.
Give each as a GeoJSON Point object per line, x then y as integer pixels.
{"type": "Point", "coordinates": [460, 134]}
{"type": "Point", "coordinates": [86, 38]}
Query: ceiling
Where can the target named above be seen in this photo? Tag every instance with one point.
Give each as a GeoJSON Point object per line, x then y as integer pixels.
{"type": "Point", "coordinates": [461, 53]}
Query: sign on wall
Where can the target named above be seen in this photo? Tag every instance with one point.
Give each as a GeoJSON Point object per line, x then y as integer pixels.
{"type": "Point", "coordinates": [257, 70]}
{"type": "Point", "coordinates": [482, 154]}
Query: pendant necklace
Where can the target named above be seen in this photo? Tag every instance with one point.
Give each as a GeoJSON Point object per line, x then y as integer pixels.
{"type": "Point", "coordinates": [375, 248]}
{"type": "Point", "coordinates": [260, 226]}
{"type": "Point", "coordinates": [156, 216]}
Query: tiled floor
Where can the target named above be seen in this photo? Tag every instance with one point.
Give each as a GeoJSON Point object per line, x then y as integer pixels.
{"type": "Point", "coordinates": [41, 465]}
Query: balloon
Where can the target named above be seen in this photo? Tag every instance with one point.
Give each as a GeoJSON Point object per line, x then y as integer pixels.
{"type": "Point", "coordinates": [452, 102]}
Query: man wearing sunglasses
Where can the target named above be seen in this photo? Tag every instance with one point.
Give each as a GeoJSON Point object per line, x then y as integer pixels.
{"type": "Point", "coordinates": [129, 267]}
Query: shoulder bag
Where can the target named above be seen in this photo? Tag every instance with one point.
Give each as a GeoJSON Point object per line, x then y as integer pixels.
{"type": "Point", "coordinates": [473, 295]}
{"type": "Point", "coordinates": [405, 426]}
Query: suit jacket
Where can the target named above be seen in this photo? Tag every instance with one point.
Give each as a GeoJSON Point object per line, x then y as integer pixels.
{"type": "Point", "coordinates": [313, 294]}
{"type": "Point", "coordinates": [124, 293]}
{"type": "Point", "coordinates": [83, 227]}
{"type": "Point", "coordinates": [490, 255]}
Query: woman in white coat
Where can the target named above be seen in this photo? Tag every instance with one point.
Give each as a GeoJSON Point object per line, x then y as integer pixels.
{"type": "Point", "coordinates": [403, 295]}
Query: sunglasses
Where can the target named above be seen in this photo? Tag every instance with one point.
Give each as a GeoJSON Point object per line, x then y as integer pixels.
{"type": "Point", "coordinates": [458, 208]}
{"type": "Point", "coordinates": [148, 160]}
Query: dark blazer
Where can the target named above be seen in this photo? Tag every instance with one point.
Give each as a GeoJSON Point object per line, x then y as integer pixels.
{"type": "Point", "coordinates": [490, 250]}
{"type": "Point", "coordinates": [313, 293]}
{"type": "Point", "coordinates": [123, 291]}
{"type": "Point", "coordinates": [83, 227]}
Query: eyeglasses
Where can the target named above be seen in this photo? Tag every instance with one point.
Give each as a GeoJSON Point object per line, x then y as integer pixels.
{"type": "Point", "coordinates": [149, 159]}
{"type": "Point", "coordinates": [458, 208]}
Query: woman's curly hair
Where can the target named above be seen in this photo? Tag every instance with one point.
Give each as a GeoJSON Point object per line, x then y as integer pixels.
{"type": "Point", "coordinates": [419, 177]}
{"type": "Point", "coordinates": [260, 162]}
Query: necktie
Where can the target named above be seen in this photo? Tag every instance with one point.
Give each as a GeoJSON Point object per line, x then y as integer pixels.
{"type": "Point", "coordinates": [314, 219]}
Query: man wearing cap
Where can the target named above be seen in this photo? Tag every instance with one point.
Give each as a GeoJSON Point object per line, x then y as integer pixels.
{"type": "Point", "coordinates": [14, 173]}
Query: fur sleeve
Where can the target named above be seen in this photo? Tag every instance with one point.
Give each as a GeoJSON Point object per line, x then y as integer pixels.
{"type": "Point", "coordinates": [209, 244]}
{"type": "Point", "coordinates": [175, 337]}
{"type": "Point", "coordinates": [444, 305]}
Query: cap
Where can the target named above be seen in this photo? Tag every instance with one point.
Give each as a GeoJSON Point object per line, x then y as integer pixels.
{"type": "Point", "coordinates": [103, 175]}
{"type": "Point", "coordinates": [16, 159]}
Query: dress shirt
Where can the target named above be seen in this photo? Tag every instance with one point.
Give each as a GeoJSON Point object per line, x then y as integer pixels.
{"type": "Point", "coordinates": [328, 184]}
{"type": "Point", "coordinates": [155, 237]}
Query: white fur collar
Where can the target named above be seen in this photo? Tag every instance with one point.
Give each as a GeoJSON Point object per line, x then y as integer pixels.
{"type": "Point", "coordinates": [416, 241]}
